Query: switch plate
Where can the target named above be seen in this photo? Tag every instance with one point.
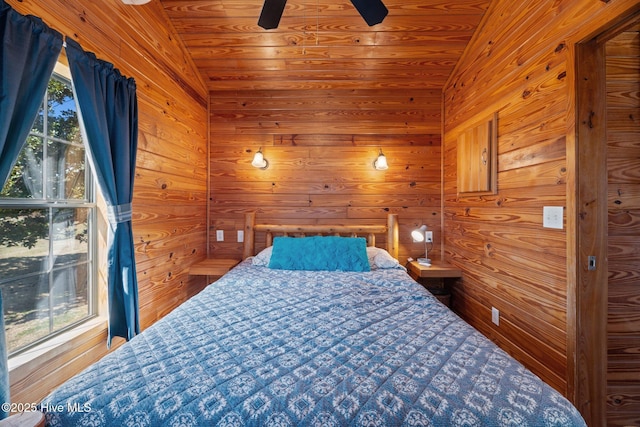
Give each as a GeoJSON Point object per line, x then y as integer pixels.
{"type": "Point", "coordinates": [495, 316]}
{"type": "Point", "coordinates": [429, 235]}
{"type": "Point", "coordinates": [552, 217]}
{"type": "Point", "coordinates": [220, 235]}
{"type": "Point", "coordinates": [240, 236]}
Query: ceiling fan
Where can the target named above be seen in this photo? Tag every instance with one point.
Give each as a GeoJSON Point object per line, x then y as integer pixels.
{"type": "Point", "coordinates": [373, 12]}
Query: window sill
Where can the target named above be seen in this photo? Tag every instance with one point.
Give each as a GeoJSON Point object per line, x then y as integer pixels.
{"type": "Point", "coordinates": [22, 365]}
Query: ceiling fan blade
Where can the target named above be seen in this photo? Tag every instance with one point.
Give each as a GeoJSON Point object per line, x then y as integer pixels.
{"type": "Point", "coordinates": [373, 11]}
{"type": "Point", "coordinates": [271, 13]}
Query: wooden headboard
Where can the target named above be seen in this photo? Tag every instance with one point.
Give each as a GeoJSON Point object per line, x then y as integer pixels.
{"type": "Point", "coordinates": [368, 231]}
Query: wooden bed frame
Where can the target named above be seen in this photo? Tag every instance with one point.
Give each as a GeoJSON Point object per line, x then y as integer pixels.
{"type": "Point", "coordinates": [300, 230]}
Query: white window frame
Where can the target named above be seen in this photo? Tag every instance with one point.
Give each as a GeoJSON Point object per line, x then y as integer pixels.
{"type": "Point", "coordinates": [61, 71]}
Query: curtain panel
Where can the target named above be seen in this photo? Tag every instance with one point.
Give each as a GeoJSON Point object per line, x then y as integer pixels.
{"type": "Point", "coordinates": [4, 367]}
{"type": "Point", "coordinates": [29, 51]}
{"type": "Point", "coordinates": [109, 121]}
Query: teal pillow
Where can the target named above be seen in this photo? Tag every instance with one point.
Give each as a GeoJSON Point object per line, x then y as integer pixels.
{"type": "Point", "coordinates": [331, 253]}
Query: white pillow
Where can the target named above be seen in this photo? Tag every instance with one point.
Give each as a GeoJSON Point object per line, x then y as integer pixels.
{"type": "Point", "coordinates": [379, 258]}
{"type": "Point", "coordinates": [262, 259]}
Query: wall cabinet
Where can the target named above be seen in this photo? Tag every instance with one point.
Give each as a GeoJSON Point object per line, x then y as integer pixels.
{"type": "Point", "coordinates": [477, 158]}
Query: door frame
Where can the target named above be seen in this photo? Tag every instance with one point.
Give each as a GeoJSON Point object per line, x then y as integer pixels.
{"type": "Point", "coordinates": [588, 224]}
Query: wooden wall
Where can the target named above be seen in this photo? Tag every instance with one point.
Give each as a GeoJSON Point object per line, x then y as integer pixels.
{"type": "Point", "coordinates": [623, 164]}
{"type": "Point", "coordinates": [520, 63]}
{"type": "Point", "coordinates": [321, 145]}
{"type": "Point", "coordinates": [170, 194]}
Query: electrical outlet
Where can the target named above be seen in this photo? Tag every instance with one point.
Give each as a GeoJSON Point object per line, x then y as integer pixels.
{"type": "Point", "coordinates": [240, 236]}
{"type": "Point", "coordinates": [429, 236]}
{"type": "Point", "coordinates": [220, 235]}
{"type": "Point", "coordinates": [552, 217]}
{"type": "Point", "coordinates": [495, 316]}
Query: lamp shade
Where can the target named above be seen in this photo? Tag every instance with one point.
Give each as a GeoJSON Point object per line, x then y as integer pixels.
{"type": "Point", "coordinates": [418, 234]}
{"type": "Point", "coordinates": [259, 161]}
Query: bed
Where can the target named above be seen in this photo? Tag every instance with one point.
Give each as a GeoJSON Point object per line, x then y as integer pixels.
{"type": "Point", "coordinates": [272, 346]}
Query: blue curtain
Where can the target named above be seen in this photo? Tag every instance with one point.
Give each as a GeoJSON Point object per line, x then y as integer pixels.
{"type": "Point", "coordinates": [29, 52]}
{"type": "Point", "coordinates": [4, 368]}
{"type": "Point", "coordinates": [109, 116]}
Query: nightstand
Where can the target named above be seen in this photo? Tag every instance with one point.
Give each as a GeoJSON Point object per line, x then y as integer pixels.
{"type": "Point", "coordinates": [437, 278]}
{"type": "Point", "coordinates": [213, 267]}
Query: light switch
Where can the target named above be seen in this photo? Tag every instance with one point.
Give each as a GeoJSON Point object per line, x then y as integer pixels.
{"type": "Point", "coordinates": [552, 217]}
{"type": "Point", "coordinates": [220, 235]}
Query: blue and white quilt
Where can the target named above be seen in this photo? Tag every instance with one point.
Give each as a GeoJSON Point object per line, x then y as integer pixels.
{"type": "Point", "coordinates": [263, 347]}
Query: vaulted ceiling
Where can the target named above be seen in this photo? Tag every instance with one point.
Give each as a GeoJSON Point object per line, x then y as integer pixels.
{"type": "Point", "coordinates": [325, 44]}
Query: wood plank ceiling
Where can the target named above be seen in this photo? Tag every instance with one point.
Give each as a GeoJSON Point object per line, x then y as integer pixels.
{"type": "Point", "coordinates": [325, 44]}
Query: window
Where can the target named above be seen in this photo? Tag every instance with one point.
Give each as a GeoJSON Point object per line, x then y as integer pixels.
{"type": "Point", "coordinates": [47, 226]}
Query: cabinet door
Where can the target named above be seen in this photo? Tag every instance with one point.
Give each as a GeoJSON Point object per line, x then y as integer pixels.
{"type": "Point", "coordinates": [477, 158]}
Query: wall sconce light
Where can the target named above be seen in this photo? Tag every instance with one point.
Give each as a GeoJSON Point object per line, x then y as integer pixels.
{"type": "Point", "coordinates": [259, 161]}
{"type": "Point", "coordinates": [422, 235]}
{"type": "Point", "coordinates": [381, 162]}
{"type": "Point", "coordinates": [135, 2]}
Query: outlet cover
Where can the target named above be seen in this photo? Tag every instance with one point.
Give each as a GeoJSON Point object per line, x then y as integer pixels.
{"type": "Point", "coordinates": [552, 217]}
{"type": "Point", "coordinates": [429, 236]}
{"type": "Point", "coordinates": [495, 316]}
